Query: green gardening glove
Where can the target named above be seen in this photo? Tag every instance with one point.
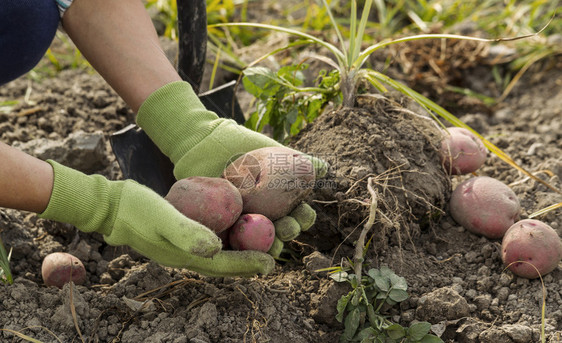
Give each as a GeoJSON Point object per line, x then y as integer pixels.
{"type": "Point", "coordinates": [127, 213]}
{"type": "Point", "coordinates": [198, 142]}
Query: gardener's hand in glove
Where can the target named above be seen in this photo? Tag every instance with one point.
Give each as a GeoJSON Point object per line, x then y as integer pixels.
{"type": "Point", "coordinates": [127, 213]}
{"type": "Point", "coordinates": [197, 141]}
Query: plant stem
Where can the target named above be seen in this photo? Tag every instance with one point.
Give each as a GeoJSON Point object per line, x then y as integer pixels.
{"type": "Point", "coordinates": [347, 87]}
{"type": "Point", "coordinates": [360, 245]}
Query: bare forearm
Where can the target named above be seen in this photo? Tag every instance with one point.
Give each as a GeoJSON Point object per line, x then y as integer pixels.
{"type": "Point", "coordinates": [25, 181]}
{"type": "Point", "coordinates": [119, 40]}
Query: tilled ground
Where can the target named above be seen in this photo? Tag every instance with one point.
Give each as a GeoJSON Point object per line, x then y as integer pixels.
{"type": "Point", "coordinates": [456, 279]}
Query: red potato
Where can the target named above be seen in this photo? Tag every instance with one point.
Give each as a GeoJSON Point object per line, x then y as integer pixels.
{"type": "Point", "coordinates": [462, 152]}
{"type": "Point", "coordinates": [211, 201]}
{"type": "Point", "coordinates": [58, 267]}
{"type": "Point", "coordinates": [252, 232]}
{"type": "Point", "coordinates": [534, 242]}
{"type": "Point", "coordinates": [484, 206]}
{"type": "Point", "coordinates": [272, 181]}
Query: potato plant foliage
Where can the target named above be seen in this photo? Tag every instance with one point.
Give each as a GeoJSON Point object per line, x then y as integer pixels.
{"type": "Point", "coordinates": [282, 104]}
{"type": "Point", "coordinates": [360, 309]}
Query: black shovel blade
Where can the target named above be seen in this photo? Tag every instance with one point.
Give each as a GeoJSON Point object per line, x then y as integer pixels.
{"type": "Point", "coordinates": [141, 160]}
{"type": "Point", "coordinates": [222, 100]}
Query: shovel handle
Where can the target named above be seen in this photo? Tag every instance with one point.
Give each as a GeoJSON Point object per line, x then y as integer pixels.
{"type": "Point", "coordinates": [192, 27]}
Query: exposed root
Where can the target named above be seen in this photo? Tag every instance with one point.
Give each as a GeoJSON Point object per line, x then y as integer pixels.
{"type": "Point", "coordinates": [253, 325]}
{"type": "Point", "coordinates": [360, 244]}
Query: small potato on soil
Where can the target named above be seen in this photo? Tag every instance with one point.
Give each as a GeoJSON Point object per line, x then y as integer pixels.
{"type": "Point", "coordinates": [252, 232]}
{"type": "Point", "coordinates": [484, 206]}
{"type": "Point", "coordinates": [534, 242]}
{"type": "Point", "coordinates": [462, 152]}
{"type": "Point", "coordinates": [272, 181]}
{"type": "Point", "coordinates": [58, 267]}
{"type": "Point", "coordinates": [211, 201]}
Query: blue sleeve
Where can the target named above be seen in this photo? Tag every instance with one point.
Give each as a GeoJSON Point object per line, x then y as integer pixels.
{"type": "Point", "coordinates": [27, 28]}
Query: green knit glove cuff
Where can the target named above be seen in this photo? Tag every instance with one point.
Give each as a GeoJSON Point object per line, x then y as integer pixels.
{"type": "Point", "coordinates": [175, 119]}
{"type": "Point", "coordinates": [87, 202]}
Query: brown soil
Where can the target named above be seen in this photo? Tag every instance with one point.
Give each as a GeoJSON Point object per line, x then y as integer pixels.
{"type": "Point", "coordinates": [456, 279]}
{"type": "Point", "coordinates": [384, 140]}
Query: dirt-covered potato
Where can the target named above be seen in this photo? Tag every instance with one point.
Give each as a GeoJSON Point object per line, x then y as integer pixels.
{"type": "Point", "coordinates": [462, 152]}
{"type": "Point", "coordinates": [484, 206]}
{"type": "Point", "coordinates": [272, 181]}
{"type": "Point", "coordinates": [534, 242]}
{"type": "Point", "coordinates": [59, 268]}
{"type": "Point", "coordinates": [252, 232]}
{"type": "Point", "coordinates": [211, 201]}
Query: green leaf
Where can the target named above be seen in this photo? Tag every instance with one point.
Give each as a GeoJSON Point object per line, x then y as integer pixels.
{"type": "Point", "coordinates": [341, 306]}
{"type": "Point", "coordinates": [264, 114]}
{"type": "Point", "coordinates": [391, 302]}
{"type": "Point", "coordinates": [265, 82]}
{"type": "Point", "coordinates": [293, 74]}
{"type": "Point", "coordinates": [313, 107]}
{"type": "Point", "coordinates": [398, 282]}
{"type": "Point", "coordinates": [381, 296]}
{"type": "Point", "coordinates": [251, 87]}
{"type": "Point", "coordinates": [252, 122]}
{"type": "Point", "coordinates": [296, 127]}
{"type": "Point", "coordinates": [382, 282]}
{"type": "Point", "coordinates": [396, 331]}
{"type": "Point", "coordinates": [365, 335]}
{"type": "Point", "coordinates": [356, 297]}
{"type": "Point", "coordinates": [351, 325]}
{"type": "Point", "coordinates": [431, 339]}
{"type": "Point", "coordinates": [398, 295]}
{"type": "Point", "coordinates": [385, 271]}
{"type": "Point", "coordinates": [372, 316]}
{"type": "Point", "coordinates": [337, 53]}
{"type": "Point", "coordinates": [5, 272]}
{"type": "Point", "coordinates": [419, 330]}
{"type": "Point", "coordinates": [373, 272]}
{"type": "Point", "coordinates": [360, 31]}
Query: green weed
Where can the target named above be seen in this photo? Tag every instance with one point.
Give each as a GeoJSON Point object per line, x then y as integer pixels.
{"type": "Point", "coordinates": [7, 106]}
{"type": "Point", "coordinates": [5, 272]}
{"type": "Point", "coordinates": [167, 14]}
{"type": "Point", "coordinates": [62, 55]}
{"type": "Point", "coordinates": [361, 309]}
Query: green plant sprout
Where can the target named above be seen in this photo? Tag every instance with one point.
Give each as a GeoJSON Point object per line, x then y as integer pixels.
{"type": "Point", "coordinates": [59, 57]}
{"type": "Point", "coordinates": [5, 272]}
{"type": "Point", "coordinates": [360, 309]}
{"type": "Point", "coordinates": [7, 106]}
{"type": "Point", "coordinates": [168, 14]}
